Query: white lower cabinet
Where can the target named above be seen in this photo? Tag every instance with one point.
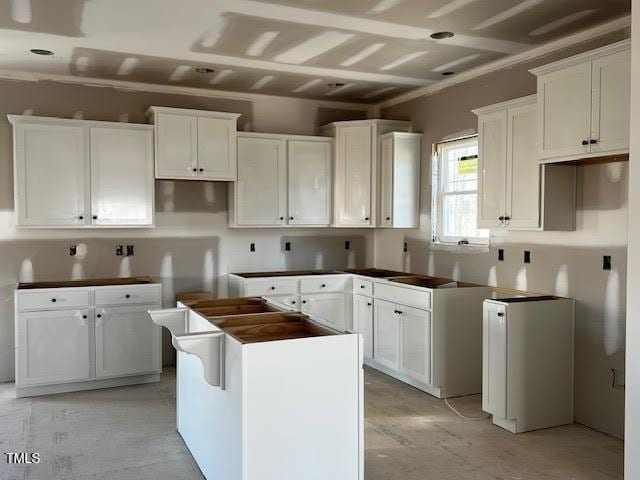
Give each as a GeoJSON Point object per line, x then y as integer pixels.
{"type": "Point", "coordinates": [416, 343]}
{"type": "Point", "coordinates": [63, 346]}
{"type": "Point", "coordinates": [363, 322]}
{"type": "Point", "coordinates": [386, 335]}
{"type": "Point", "coordinates": [53, 346]}
{"type": "Point", "coordinates": [328, 308]}
{"type": "Point", "coordinates": [126, 341]}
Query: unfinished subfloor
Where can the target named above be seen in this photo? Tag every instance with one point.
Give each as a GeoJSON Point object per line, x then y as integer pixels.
{"type": "Point", "coordinates": [129, 433]}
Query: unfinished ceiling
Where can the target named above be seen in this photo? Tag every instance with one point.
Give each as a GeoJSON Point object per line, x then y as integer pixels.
{"type": "Point", "coordinates": [349, 50]}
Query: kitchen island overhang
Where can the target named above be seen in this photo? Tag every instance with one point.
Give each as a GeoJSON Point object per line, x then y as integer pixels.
{"type": "Point", "coordinates": [267, 394]}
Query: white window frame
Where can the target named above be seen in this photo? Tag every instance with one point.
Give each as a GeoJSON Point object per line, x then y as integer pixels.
{"type": "Point", "coordinates": [437, 197]}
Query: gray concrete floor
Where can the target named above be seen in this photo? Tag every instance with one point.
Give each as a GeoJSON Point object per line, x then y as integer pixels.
{"type": "Point", "coordinates": [129, 433]}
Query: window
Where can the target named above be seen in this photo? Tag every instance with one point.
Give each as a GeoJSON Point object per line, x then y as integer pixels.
{"type": "Point", "coordinates": [455, 193]}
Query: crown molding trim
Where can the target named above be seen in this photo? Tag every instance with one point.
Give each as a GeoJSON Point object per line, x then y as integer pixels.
{"type": "Point", "coordinates": [122, 85]}
{"type": "Point", "coordinates": [536, 52]}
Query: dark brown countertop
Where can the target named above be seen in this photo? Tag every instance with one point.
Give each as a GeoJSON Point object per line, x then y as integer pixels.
{"type": "Point", "coordinates": [90, 282]}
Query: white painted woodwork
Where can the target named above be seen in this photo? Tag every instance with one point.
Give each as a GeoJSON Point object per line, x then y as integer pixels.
{"type": "Point", "coordinates": [386, 337]}
{"type": "Point", "coordinates": [416, 343]}
{"type": "Point", "coordinates": [50, 174]}
{"type": "Point", "coordinates": [322, 375]}
{"type": "Point", "coordinates": [583, 105]}
{"type": "Point", "coordinates": [122, 185]}
{"type": "Point", "coordinates": [363, 322]}
{"type": "Point", "coordinates": [325, 283]}
{"type": "Point", "coordinates": [326, 308]}
{"type": "Point", "coordinates": [515, 192]}
{"type": "Point", "coordinates": [356, 164]}
{"type": "Point", "coordinates": [261, 186]}
{"type": "Point", "coordinates": [81, 173]}
{"type": "Point", "coordinates": [286, 302]}
{"type": "Point", "coordinates": [217, 159]}
{"type": "Point", "coordinates": [394, 292]}
{"type": "Point", "coordinates": [523, 389]}
{"type": "Point", "coordinates": [492, 168]}
{"type": "Point", "coordinates": [176, 146]}
{"type": "Point", "coordinates": [270, 286]}
{"type": "Point", "coordinates": [400, 180]}
{"type": "Point", "coordinates": [309, 182]}
{"type": "Point", "coordinates": [70, 339]}
{"type": "Point", "coordinates": [523, 171]}
{"type": "Point", "coordinates": [611, 85]}
{"type": "Point", "coordinates": [127, 342]}
{"type": "Point", "coordinates": [194, 144]}
{"type": "Point", "coordinates": [362, 287]}
{"type": "Point", "coordinates": [52, 346]}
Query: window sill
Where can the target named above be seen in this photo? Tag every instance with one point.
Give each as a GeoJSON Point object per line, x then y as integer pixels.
{"type": "Point", "coordinates": [455, 248]}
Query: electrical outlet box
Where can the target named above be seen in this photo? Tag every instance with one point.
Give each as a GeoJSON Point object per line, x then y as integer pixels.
{"type": "Point", "coordinates": [129, 250]}
{"type": "Point", "coordinates": [73, 250]}
{"type": "Point", "coordinates": [500, 255]}
{"type": "Point", "coordinates": [527, 256]}
{"type": "Point", "coordinates": [119, 250]}
{"type": "Point", "coordinates": [252, 247]}
{"type": "Point", "coordinates": [347, 245]}
{"type": "Point", "coordinates": [405, 247]}
{"type": "Point", "coordinates": [606, 262]}
{"type": "Point", "coordinates": [617, 380]}
{"type": "Point", "coordinates": [287, 246]}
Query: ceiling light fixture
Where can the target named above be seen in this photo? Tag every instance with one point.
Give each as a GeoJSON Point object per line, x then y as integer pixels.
{"type": "Point", "coordinates": [441, 35]}
{"type": "Point", "coordinates": [205, 70]}
{"type": "Point", "coordinates": [41, 51]}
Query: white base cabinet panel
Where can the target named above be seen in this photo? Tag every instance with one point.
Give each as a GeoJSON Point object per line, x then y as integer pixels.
{"type": "Point", "coordinates": [527, 363]}
{"type": "Point", "coordinates": [71, 339]}
{"type": "Point", "coordinates": [363, 322]}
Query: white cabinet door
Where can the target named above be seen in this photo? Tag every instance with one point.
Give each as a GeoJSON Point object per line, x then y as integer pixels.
{"type": "Point", "coordinates": [53, 347]}
{"type": "Point", "coordinates": [386, 336]}
{"type": "Point", "coordinates": [216, 149]}
{"type": "Point", "coordinates": [121, 176]}
{"type": "Point", "coordinates": [127, 341]}
{"type": "Point", "coordinates": [354, 175]}
{"type": "Point", "coordinates": [416, 343]}
{"type": "Point", "coordinates": [564, 112]}
{"type": "Point", "coordinates": [328, 308]}
{"type": "Point", "coordinates": [363, 322]}
{"type": "Point", "coordinates": [523, 175]}
{"type": "Point", "coordinates": [611, 97]}
{"type": "Point", "coordinates": [261, 186]}
{"type": "Point", "coordinates": [492, 158]}
{"type": "Point", "coordinates": [494, 360]}
{"type": "Point", "coordinates": [51, 175]}
{"type": "Point", "coordinates": [386, 181]}
{"type": "Point", "coordinates": [309, 182]}
{"type": "Point", "coordinates": [176, 145]}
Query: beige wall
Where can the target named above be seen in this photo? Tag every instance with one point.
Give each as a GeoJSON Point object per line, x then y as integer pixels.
{"type": "Point", "coordinates": [191, 249]}
{"type": "Point", "coordinates": [568, 264]}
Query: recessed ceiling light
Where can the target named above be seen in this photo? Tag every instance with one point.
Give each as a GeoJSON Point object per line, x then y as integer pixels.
{"type": "Point", "coordinates": [441, 35]}
{"type": "Point", "coordinates": [41, 51]}
{"type": "Point", "coordinates": [447, 74]}
{"type": "Point", "coordinates": [335, 84]}
{"type": "Point", "coordinates": [204, 70]}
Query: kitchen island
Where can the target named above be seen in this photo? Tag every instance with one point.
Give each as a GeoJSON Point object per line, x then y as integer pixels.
{"type": "Point", "coordinates": [264, 394]}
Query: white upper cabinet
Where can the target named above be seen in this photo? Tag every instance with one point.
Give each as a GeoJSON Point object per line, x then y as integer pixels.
{"type": "Point", "coordinates": [194, 144]}
{"type": "Point", "coordinates": [400, 180]}
{"type": "Point", "coordinates": [282, 181]}
{"type": "Point", "coordinates": [121, 176]}
{"type": "Point", "coordinates": [514, 191]}
{"type": "Point", "coordinates": [260, 192]}
{"type": "Point", "coordinates": [50, 173]}
{"type": "Point", "coordinates": [583, 105]}
{"type": "Point", "coordinates": [77, 173]}
{"type": "Point", "coordinates": [356, 164]}
{"type": "Point", "coordinates": [309, 164]}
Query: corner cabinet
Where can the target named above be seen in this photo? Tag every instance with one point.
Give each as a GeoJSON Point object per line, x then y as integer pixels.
{"type": "Point", "coordinates": [400, 180]}
{"type": "Point", "coordinates": [583, 105]}
{"type": "Point", "coordinates": [82, 174]}
{"type": "Point", "coordinates": [356, 164]}
{"type": "Point", "coordinates": [194, 144]}
{"type": "Point", "coordinates": [282, 181]}
{"type": "Point", "coordinates": [514, 191]}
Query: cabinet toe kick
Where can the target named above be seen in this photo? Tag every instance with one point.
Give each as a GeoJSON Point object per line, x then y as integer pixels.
{"type": "Point", "coordinates": [173, 319]}
{"type": "Point", "coordinates": [209, 348]}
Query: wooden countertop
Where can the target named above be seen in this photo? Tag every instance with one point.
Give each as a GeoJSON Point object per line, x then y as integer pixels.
{"type": "Point", "coordinates": [90, 282]}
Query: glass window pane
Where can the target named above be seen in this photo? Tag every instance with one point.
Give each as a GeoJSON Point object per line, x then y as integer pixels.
{"type": "Point", "coordinates": [460, 166]}
{"type": "Point", "coordinates": [459, 216]}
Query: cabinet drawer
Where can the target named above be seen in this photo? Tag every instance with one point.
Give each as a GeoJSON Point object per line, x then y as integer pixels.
{"type": "Point", "coordinates": [53, 299]}
{"type": "Point", "coordinates": [130, 295]}
{"type": "Point", "coordinates": [270, 287]}
{"type": "Point", "coordinates": [404, 296]}
{"type": "Point", "coordinates": [289, 302]}
{"type": "Point", "coordinates": [362, 287]}
{"type": "Point", "coordinates": [324, 284]}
